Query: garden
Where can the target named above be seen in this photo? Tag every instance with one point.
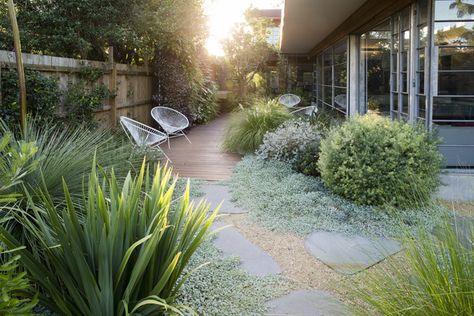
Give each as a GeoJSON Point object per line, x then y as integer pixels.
{"type": "Point", "coordinates": [93, 224]}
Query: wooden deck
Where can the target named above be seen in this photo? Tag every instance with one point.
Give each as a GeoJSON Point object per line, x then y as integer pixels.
{"type": "Point", "coordinates": [203, 159]}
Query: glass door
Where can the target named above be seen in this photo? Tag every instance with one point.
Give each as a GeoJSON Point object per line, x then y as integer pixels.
{"type": "Point", "coordinates": [400, 65]}
{"type": "Point", "coordinates": [375, 56]}
{"type": "Point", "coordinates": [453, 79]}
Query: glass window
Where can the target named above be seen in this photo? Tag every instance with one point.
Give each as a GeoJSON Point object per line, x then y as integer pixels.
{"type": "Point", "coordinates": [453, 108]}
{"type": "Point", "coordinates": [422, 106]}
{"type": "Point", "coordinates": [456, 58]}
{"type": "Point", "coordinates": [454, 10]}
{"type": "Point", "coordinates": [454, 33]}
{"type": "Point", "coordinates": [456, 83]}
{"type": "Point", "coordinates": [376, 64]}
{"type": "Point", "coordinates": [422, 11]}
{"type": "Point", "coordinates": [333, 90]}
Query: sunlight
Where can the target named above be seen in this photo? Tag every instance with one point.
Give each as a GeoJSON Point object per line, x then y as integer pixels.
{"type": "Point", "coordinates": [224, 14]}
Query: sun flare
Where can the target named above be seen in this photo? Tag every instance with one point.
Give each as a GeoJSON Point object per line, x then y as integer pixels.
{"type": "Point", "coordinates": [223, 15]}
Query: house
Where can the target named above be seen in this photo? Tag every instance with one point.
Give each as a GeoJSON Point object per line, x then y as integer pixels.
{"type": "Point", "coordinates": [406, 59]}
{"type": "Point", "coordinates": [274, 16]}
{"type": "Point", "coordinates": [274, 30]}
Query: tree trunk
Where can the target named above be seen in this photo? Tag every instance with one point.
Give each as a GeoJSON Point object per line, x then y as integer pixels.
{"type": "Point", "coordinates": [19, 64]}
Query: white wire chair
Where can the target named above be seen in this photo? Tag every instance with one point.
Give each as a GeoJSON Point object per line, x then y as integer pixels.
{"type": "Point", "coordinates": [173, 122]}
{"type": "Point", "coordinates": [341, 100]}
{"type": "Point", "coordinates": [307, 110]}
{"type": "Point", "coordinates": [289, 100]}
{"type": "Point", "coordinates": [143, 135]}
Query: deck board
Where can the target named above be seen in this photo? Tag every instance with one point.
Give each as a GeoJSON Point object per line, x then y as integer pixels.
{"type": "Point", "coordinates": [204, 158]}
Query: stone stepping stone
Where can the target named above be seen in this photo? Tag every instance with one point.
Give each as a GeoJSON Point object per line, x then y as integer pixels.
{"type": "Point", "coordinates": [215, 194]}
{"type": "Point", "coordinates": [349, 254]}
{"type": "Point", "coordinates": [457, 187]}
{"type": "Point", "coordinates": [253, 259]}
{"type": "Point", "coordinates": [307, 303]}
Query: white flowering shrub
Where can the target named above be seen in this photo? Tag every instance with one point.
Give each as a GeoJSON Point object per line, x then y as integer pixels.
{"type": "Point", "coordinates": [289, 141]}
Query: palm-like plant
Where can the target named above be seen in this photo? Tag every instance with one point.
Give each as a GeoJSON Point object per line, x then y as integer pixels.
{"type": "Point", "coordinates": [66, 152]}
{"type": "Point", "coordinates": [126, 256]}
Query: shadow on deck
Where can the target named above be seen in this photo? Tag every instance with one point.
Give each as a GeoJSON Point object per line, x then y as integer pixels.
{"type": "Point", "coordinates": [203, 159]}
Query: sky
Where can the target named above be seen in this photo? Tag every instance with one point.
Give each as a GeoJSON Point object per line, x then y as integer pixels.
{"type": "Point", "coordinates": [224, 14]}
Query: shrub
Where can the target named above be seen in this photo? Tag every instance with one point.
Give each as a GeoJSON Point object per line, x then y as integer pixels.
{"type": "Point", "coordinates": [42, 95]}
{"type": "Point", "coordinates": [295, 142]}
{"type": "Point", "coordinates": [16, 162]}
{"type": "Point", "coordinates": [81, 99]}
{"type": "Point", "coordinates": [204, 102]}
{"type": "Point", "coordinates": [435, 278]}
{"type": "Point", "coordinates": [248, 126]}
{"type": "Point", "coordinates": [124, 255]}
{"type": "Point", "coordinates": [13, 285]}
{"type": "Point", "coordinates": [306, 161]}
{"type": "Point", "coordinates": [377, 161]}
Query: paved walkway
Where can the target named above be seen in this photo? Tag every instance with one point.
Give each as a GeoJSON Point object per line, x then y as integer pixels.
{"type": "Point", "coordinates": [203, 159]}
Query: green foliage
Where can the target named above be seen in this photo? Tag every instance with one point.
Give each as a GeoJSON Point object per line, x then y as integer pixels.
{"type": "Point", "coordinates": [377, 161]}
{"type": "Point", "coordinates": [13, 286]}
{"type": "Point", "coordinates": [247, 51]}
{"type": "Point", "coordinates": [295, 142]}
{"type": "Point", "coordinates": [223, 288]}
{"type": "Point", "coordinates": [306, 161]}
{"type": "Point", "coordinates": [81, 100]}
{"type": "Point", "coordinates": [124, 256]}
{"type": "Point", "coordinates": [85, 29]}
{"type": "Point", "coordinates": [435, 277]}
{"type": "Point", "coordinates": [300, 204]}
{"type": "Point", "coordinates": [43, 96]}
{"type": "Point", "coordinates": [16, 162]}
{"type": "Point", "coordinates": [66, 152]}
{"type": "Point", "coordinates": [204, 103]}
{"type": "Point", "coordinates": [248, 126]}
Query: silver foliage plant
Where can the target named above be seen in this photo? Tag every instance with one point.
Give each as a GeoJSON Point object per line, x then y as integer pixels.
{"type": "Point", "coordinates": [289, 140]}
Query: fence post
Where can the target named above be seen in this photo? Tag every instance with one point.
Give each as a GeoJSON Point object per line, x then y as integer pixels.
{"type": "Point", "coordinates": [113, 87]}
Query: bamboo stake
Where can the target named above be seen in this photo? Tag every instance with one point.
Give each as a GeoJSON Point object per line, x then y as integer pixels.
{"type": "Point", "coordinates": [19, 63]}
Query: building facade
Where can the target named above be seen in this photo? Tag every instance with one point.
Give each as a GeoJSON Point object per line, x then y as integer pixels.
{"type": "Point", "coordinates": [404, 59]}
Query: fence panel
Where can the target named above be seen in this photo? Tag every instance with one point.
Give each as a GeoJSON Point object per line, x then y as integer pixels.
{"type": "Point", "coordinates": [132, 84]}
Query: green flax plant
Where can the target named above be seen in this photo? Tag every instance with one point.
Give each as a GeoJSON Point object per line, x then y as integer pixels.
{"type": "Point", "coordinates": [127, 253]}
{"type": "Point", "coordinates": [434, 277]}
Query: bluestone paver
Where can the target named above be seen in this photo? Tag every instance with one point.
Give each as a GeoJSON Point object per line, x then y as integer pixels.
{"type": "Point", "coordinates": [457, 187]}
{"type": "Point", "coordinates": [307, 303]}
{"type": "Point", "coordinates": [217, 193]}
{"type": "Point", "coordinates": [253, 259]}
{"type": "Point", "coordinates": [349, 254]}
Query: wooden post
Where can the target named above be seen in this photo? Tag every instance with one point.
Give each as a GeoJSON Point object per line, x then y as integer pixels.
{"type": "Point", "coordinates": [113, 87]}
{"type": "Point", "coordinates": [19, 63]}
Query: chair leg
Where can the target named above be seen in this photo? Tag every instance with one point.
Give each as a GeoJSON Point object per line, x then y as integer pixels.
{"type": "Point", "coordinates": [186, 137]}
{"type": "Point", "coordinates": [162, 151]}
{"type": "Point", "coordinates": [169, 146]}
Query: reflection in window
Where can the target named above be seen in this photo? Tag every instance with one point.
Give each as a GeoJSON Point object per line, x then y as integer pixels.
{"type": "Point", "coordinates": [453, 109]}
{"type": "Point", "coordinates": [454, 40]}
{"type": "Point", "coordinates": [332, 82]}
{"type": "Point", "coordinates": [375, 67]}
{"type": "Point", "coordinates": [454, 10]}
{"type": "Point", "coordinates": [454, 33]}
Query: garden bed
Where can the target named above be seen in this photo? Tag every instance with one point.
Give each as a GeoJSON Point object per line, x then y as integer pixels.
{"type": "Point", "coordinates": [286, 201]}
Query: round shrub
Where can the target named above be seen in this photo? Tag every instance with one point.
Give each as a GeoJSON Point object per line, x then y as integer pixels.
{"type": "Point", "coordinates": [295, 142]}
{"type": "Point", "coordinates": [376, 161]}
